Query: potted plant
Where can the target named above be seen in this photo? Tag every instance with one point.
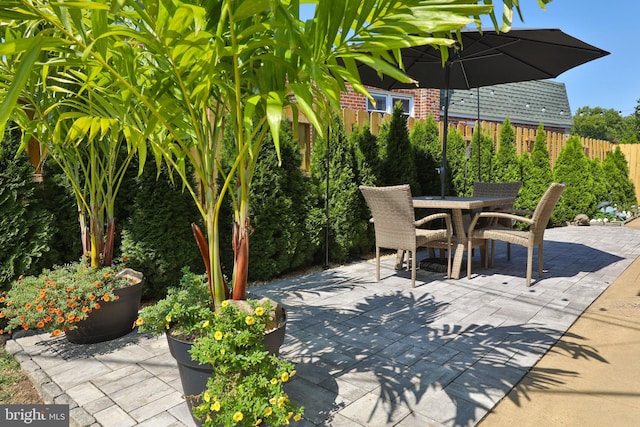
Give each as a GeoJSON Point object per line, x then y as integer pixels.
{"type": "Point", "coordinates": [88, 304]}
{"type": "Point", "coordinates": [241, 337]}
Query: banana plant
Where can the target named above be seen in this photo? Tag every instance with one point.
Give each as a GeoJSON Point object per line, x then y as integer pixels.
{"type": "Point", "coordinates": [182, 71]}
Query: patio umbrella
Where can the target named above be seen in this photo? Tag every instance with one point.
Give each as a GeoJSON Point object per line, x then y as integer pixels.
{"type": "Point", "coordinates": [486, 58]}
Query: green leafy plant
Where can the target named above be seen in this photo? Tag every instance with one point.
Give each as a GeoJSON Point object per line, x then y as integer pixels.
{"type": "Point", "coordinates": [59, 298]}
{"type": "Point", "coordinates": [182, 311]}
{"type": "Point", "coordinates": [246, 387]}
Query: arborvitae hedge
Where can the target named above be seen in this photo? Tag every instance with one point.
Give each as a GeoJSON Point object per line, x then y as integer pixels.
{"type": "Point", "coordinates": [25, 230]}
{"type": "Point", "coordinates": [157, 238]}
{"type": "Point", "coordinates": [507, 164]}
{"type": "Point", "coordinates": [458, 170]}
{"type": "Point", "coordinates": [574, 169]}
{"type": "Point", "coordinates": [396, 154]}
{"type": "Point", "coordinates": [486, 165]}
{"type": "Point", "coordinates": [281, 200]}
{"type": "Point", "coordinates": [424, 136]}
{"type": "Point", "coordinates": [616, 172]}
{"type": "Point", "coordinates": [365, 147]}
{"type": "Point", "coordinates": [347, 230]}
{"type": "Point", "coordinates": [536, 171]}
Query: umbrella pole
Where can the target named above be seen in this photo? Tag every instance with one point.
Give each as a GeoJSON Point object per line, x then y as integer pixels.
{"type": "Point", "coordinates": [479, 148]}
{"type": "Point", "coordinates": [445, 134]}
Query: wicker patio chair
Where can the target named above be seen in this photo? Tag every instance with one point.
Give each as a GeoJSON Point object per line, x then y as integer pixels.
{"type": "Point", "coordinates": [529, 238]}
{"type": "Point", "coordinates": [395, 225]}
{"type": "Point", "coordinates": [498, 189]}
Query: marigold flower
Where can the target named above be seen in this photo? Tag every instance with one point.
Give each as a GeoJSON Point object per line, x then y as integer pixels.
{"type": "Point", "coordinates": [1, 299]}
{"type": "Point", "coordinates": [69, 289]}
{"type": "Point", "coordinates": [1, 315]}
{"type": "Point", "coordinates": [84, 309]}
{"type": "Point", "coordinates": [25, 326]}
{"type": "Point", "coordinates": [98, 285]}
{"type": "Point", "coordinates": [125, 259]}
{"type": "Point", "coordinates": [107, 275]}
{"type": "Point", "coordinates": [56, 333]}
{"type": "Point", "coordinates": [71, 317]}
{"type": "Point", "coordinates": [139, 321]}
{"type": "Point", "coordinates": [47, 319]}
{"type": "Point", "coordinates": [216, 407]}
{"type": "Point", "coordinates": [284, 377]}
{"type": "Point", "coordinates": [92, 297]}
{"type": "Point", "coordinates": [268, 411]}
{"type": "Point", "coordinates": [250, 320]}
{"type": "Point", "coordinates": [237, 417]}
{"type": "Point", "coordinates": [27, 305]}
{"type": "Point", "coordinates": [217, 335]}
{"type": "Point", "coordinates": [106, 297]}
{"type": "Point", "coordinates": [259, 311]}
{"type": "Point", "coordinates": [60, 319]}
{"type": "Point", "coordinates": [40, 324]}
{"type": "Point", "coordinates": [97, 307]}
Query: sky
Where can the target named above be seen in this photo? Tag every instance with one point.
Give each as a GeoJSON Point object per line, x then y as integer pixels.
{"type": "Point", "coordinates": [611, 82]}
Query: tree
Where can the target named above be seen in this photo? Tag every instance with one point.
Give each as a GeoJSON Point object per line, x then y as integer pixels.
{"type": "Point", "coordinates": [619, 186]}
{"type": "Point", "coordinates": [599, 123]}
{"type": "Point", "coordinates": [507, 165]}
{"type": "Point", "coordinates": [537, 174]}
{"type": "Point", "coordinates": [424, 136]}
{"type": "Point", "coordinates": [574, 169]}
{"type": "Point", "coordinates": [397, 165]}
{"type": "Point", "coordinates": [180, 70]}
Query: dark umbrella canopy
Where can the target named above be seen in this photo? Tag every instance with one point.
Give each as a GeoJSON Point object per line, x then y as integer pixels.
{"type": "Point", "coordinates": [487, 58]}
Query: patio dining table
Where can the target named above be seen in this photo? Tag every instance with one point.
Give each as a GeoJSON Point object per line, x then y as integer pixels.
{"type": "Point", "coordinates": [457, 205]}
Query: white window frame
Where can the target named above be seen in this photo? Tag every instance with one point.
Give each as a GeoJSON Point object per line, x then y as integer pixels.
{"type": "Point", "coordinates": [390, 98]}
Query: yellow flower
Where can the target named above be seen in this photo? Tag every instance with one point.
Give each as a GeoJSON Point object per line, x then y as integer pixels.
{"type": "Point", "coordinates": [268, 411]}
{"type": "Point", "coordinates": [217, 335]}
{"type": "Point", "coordinates": [292, 373]}
{"type": "Point", "coordinates": [225, 303]}
{"type": "Point", "coordinates": [258, 422]}
{"type": "Point", "coordinates": [297, 417]}
{"type": "Point", "coordinates": [289, 415]}
{"type": "Point", "coordinates": [139, 321]}
{"type": "Point", "coordinates": [281, 401]}
{"type": "Point", "coordinates": [205, 324]}
{"type": "Point", "coordinates": [250, 320]}
{"type": "Point", "coordinates": [274, 381]}
{"type": "Point", "coordinates": [237, 417]}
{"type": "Point", "coordinates": [215, 406]}
{"type": "Point", "coordinates": [273, 400]}
{"type": "Point", "coordinates": [168, 318]}
{"type": "Point", "coordinates": [259, 311]}
{"type": "Point", "coordinates": [206, 396]}
{"type": "Point", "coordinates": [284, 377]}
{"type": "Point", "coordinates": [223, 351]}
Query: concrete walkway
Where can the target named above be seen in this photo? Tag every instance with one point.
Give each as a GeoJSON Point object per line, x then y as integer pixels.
{"type": "Point", "coordinates": [445, 353]}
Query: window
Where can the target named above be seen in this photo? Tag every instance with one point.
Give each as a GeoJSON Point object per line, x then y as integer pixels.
{"type": "Point", "coordinates": [386, 100]}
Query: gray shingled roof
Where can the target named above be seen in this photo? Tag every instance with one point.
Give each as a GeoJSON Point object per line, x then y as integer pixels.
{"type": "Point", "coordinates": [531, 102]}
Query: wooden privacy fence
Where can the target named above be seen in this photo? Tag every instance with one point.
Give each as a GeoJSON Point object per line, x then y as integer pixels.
{"type": "Point", "coordinates": [524, 139]}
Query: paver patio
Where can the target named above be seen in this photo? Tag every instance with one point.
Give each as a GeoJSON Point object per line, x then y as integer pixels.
{"type": "Point", "coordinates": [367, 353]}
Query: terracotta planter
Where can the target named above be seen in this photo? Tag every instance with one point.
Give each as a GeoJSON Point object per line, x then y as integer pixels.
{"type": "Point", "coordinates": [115, 318]}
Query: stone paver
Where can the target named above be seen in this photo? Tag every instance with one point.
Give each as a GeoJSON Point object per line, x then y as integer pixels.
{"type": "Point", "coordinates": [367, 353]}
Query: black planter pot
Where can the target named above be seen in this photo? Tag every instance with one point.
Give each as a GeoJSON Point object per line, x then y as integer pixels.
{"type": "Point", "coordinates": [194, 375]}
{"type": "Point", "coordinates": [115, 318]}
